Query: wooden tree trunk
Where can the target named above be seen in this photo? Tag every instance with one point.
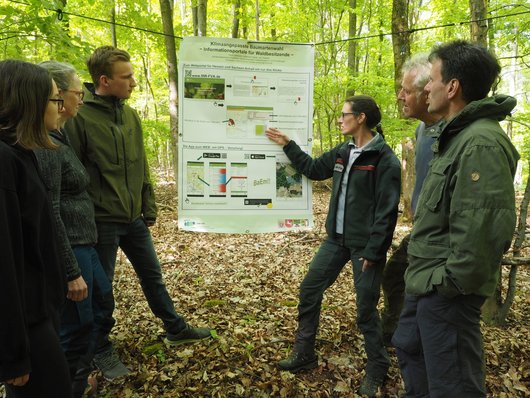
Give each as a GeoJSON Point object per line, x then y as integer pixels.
{"type": "Point", "coordinates": [113, 23]}
{"type": "Point", "coordinates": [194, 17]}
{"type": "Point", "coordinates": [273, 29]}
{"type": "Point", "coordinates": [202, 9]}
{"type": "Point", "coordinates": [235, 21]}
{"type": "Point", "coordinates": [400, 38]}
{"type": "Point", "coordinates": [166, 9]}
{"type": "Point", "coordinates": [147, 74]}
{"type": "Point", "coordinates": [352, 44]}
{"type": "Point", "coordinates": [479, 26]}
{"type": "Point", "coordinates": [257, 19]}
{"type": "Point", "coordinates": [495, 310]}
{"type": "Point", "coordinates": [408, 176]}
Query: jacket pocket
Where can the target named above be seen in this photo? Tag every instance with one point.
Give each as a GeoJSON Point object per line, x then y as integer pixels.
{"type": "Point", "coordinates": [435, 184]}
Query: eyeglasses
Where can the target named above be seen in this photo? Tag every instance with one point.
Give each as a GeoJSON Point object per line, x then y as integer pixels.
{"type": "Point", "coordinates": [59, 102]}
{"type": "Point", "coordinates": [342, 114]}
{"type": "Point", "coordinates": [79, 94]}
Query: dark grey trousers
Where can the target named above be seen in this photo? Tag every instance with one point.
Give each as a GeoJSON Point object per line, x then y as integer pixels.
{"type": "Point", "coordinates": [394, 286]}
{"type": "Point", "coordinates": [439, 346]}
{"type": "Point", "coordinates": [323, 271]}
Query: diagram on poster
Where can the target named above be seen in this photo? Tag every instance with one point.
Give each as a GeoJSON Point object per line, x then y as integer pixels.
{"type": "Point", "coordinates": [232, 178]}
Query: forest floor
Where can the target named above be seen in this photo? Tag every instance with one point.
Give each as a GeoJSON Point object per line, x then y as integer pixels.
{"type": "Point", "coordinates": [246, 288]}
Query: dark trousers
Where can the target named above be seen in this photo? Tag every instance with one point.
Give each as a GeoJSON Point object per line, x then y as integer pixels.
{"type": "Point", "coordinates": [394, 286]}
{"type": "Point", "coordinates": [323, 271]}
{"type": "Point", "coordinates": [85, 323]}
{"type": "Point", "coordinates": [49, 377]}
{"type": "Point", "coordinates": [136, 242]}
{"type": "Point", "coordinates": [439, 346]}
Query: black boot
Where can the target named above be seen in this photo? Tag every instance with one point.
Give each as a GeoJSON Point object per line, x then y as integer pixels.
{"type": "Point", "coordinates": [371, 385]}
{"type": "Point", "coordinates": [298, 361]}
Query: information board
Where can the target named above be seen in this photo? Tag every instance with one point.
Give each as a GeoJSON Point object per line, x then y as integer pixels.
{"type": "Point", "coordinates": [232, 178]}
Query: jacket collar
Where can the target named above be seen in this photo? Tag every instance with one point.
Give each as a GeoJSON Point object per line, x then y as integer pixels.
{"type": "Point", "coordinates": [101, 100]}
{"type": "Point", "coordinates": [109, 104]}
{"type": "Point", "coordinates": [494, 108]}
{"type": "Point", "coordinates": [375, 145]}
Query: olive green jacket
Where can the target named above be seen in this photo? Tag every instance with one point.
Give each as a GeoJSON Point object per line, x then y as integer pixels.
{"type": "Point", "coordinates": [107, 137]}
{"type": "Point", "coordinates": [465, 216]}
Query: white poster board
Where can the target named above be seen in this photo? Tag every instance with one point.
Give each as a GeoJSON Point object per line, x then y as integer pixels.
{"type": "Point", "coordinates": [231, 177]}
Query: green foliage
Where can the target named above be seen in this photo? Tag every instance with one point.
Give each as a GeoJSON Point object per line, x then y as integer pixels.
{"type": "Point", "coordinates": [31, 30]}
{"type": "Point", "coordinates": [156, 138]}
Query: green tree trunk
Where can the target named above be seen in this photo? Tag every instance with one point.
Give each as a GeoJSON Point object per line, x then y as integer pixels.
{"type": "Point", "coordinates": [236, 17]}
{"type": "Point", "coordinates": [166, 10]}
{"type": "Point", "coordinates": [400, 38]}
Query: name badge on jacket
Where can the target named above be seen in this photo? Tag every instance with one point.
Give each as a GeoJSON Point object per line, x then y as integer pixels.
{"type": "Point", "coordinates": [339, 166]}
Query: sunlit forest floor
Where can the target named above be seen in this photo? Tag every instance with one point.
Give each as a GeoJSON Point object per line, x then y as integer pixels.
{"type": "Point", "coordinates": [246, 288]}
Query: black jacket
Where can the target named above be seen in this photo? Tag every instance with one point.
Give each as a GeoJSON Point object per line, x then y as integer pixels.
{"type": "Point", "coordinates": [372, 198]}
{"type": "Point", "coordinates": [32, 282]}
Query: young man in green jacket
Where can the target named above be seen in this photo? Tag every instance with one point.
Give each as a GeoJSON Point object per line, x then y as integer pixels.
{"type": "Point", "coordinates": [463, 224]}
{"type": "Point", "coordinates": [107, 137]}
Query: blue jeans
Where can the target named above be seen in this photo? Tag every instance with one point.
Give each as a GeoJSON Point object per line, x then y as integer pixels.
{"type": "Point", "coordinates": [136, 242]}
{"type": "Point", "coordinates": [439, 346]}
{"type": "Point", "coordinates": [323, 271]}
{"type": "Point", "coordinates": [85, 323]}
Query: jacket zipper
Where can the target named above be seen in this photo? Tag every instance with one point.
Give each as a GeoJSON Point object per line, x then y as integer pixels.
{"type": "Point", "coordinates": [126, 173]}
{"type": "Point", "coordinates": [115, 145]}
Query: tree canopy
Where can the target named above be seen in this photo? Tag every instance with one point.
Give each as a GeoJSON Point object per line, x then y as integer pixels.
{"type": "Point", "coordinates": [358, 45]}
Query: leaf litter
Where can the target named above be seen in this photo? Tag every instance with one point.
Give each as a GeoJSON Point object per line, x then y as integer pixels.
{"type": "Point", "coordinates": [245, 287]}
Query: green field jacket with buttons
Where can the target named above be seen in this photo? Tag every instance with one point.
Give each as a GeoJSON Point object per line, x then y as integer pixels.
{"type": "Point", "coordinates": [107, 137]}
{"type": "Point", "coordinates": [465, 217]}
{"type": "Point", "coordinates": [372, 196]}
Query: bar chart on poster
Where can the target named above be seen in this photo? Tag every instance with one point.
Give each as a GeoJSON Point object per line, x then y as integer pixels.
{"type": "Point", "coordinates": [232, 178]}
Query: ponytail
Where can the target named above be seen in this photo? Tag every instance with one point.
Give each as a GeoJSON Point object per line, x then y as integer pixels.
{"type": "Point", "coordinates": [379, 129]}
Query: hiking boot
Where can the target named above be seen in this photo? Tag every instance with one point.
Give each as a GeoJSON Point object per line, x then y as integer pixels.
{"type": "Point", "coordinates": [110, 365]}
{"type": "Point", "coordinates": [370, 385]}
{"type": "Point", "coordinates": [298, 361]}
{"type": "Point", "coordinates": [188, 335]}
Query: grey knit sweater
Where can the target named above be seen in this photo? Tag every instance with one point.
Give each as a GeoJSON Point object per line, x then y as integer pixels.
{"type": "Point", "coordinates": [67, 182]}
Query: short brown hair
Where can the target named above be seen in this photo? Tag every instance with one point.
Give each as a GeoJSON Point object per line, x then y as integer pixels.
{"type": "Point", "coordinates": [101, 61]}
{"type": "Point", "coordinates": [25, 90]}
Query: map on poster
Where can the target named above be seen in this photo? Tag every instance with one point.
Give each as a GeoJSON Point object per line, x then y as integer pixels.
{"type": "Point", "coordinates": [232, 178]}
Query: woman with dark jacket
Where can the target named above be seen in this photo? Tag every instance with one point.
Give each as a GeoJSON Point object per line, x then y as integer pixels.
{"type": "Point", "coordinates": [82, 320]}
{"type": "Point", "coordinates": [360, 223]}
{"type": "Point", "coordinates": [32, 281]}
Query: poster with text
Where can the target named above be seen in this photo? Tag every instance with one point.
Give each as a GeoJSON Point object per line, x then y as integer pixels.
{"type": "Point", "coordinates": [232, 178]}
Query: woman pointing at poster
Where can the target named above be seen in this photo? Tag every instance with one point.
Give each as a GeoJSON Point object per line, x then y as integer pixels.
{"type": "Point", "coordinates": [361, 219]}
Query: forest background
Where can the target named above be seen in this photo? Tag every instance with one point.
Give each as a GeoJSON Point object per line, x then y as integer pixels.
{"type": "Point", "coordinates": [360, 47]}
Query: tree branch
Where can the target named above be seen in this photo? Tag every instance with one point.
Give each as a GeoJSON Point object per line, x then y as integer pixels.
{"type": "Point", "coordinates": [516, 261]}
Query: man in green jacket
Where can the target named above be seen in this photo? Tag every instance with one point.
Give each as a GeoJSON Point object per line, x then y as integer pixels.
{"type": "Point", "coordinates": [107, 137]}
{"type": "Point", "coordinates": [463, 224]}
